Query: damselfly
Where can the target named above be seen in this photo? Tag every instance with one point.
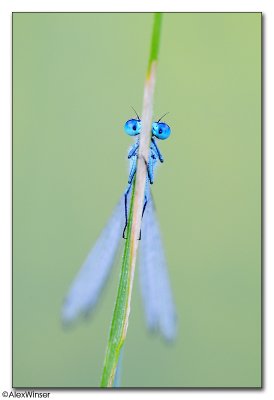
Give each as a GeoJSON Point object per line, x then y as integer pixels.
{"type": "Point", "coordinates": [161, 131]}
{"type": "Point", "coordinates": [154, 281]}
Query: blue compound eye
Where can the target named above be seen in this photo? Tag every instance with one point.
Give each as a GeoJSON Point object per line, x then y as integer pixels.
{"type": "Point", "coordinates": [160, 130]}
{"type": "Point", "coordinates": [133, 127]}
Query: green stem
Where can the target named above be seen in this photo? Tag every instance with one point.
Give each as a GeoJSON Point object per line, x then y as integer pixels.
{"type": "Point", "coordinates": [155, 40]}
{"type": "Point", "coordinates": [116, 337]}
{"type": "Point", "coordinates": [122, 306]}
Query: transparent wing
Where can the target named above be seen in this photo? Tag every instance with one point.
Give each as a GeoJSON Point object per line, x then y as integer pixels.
{"type": "Point", "coordinates": [154, 280]}
{"type": "Point", "coordinates": [86, 287]}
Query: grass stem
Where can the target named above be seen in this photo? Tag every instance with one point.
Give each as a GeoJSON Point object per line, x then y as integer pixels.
{"type": "Point", "coordinates": [121, 313]}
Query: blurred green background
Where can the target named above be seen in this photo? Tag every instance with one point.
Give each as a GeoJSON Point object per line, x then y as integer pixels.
{"type": "Point", "coordinates": [75, 77]}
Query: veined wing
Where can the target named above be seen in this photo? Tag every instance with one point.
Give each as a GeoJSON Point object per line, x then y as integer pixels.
{"type": "Point", "coordinates": [154, 280]}
{"type": "Point", "coordinates": [88, 284]}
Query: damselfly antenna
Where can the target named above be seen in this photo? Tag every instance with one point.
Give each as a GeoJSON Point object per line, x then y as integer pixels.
{"type": "Point", "coordinates": [163, 116]}
{"type": "Point", "coordinates": [136, 113]}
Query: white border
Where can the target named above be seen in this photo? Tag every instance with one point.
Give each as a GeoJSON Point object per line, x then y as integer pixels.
{"type": "Point", "coordinates": [6, 8]}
